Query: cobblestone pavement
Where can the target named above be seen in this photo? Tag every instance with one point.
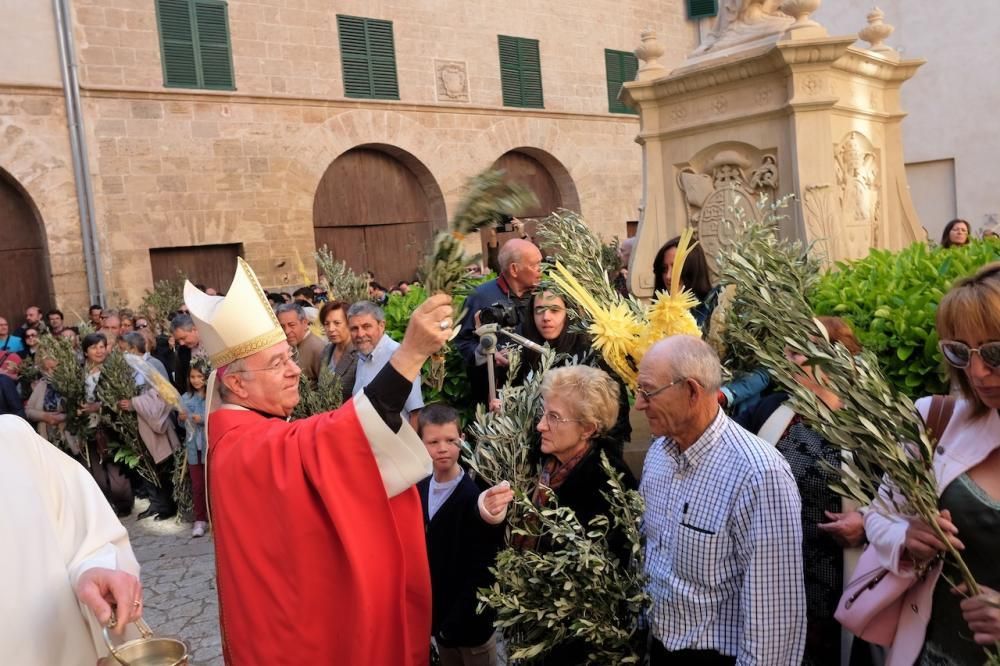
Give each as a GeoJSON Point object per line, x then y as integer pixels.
{"type": "Point", "coordinates": [178, 580]}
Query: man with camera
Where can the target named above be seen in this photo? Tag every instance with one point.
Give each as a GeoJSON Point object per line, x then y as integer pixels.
{"type": "Point", "coordinates": [491, 302]}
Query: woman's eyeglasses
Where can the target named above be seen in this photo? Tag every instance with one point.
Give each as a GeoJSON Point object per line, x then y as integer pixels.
{"type": "Point", "coordinates": [553, 420]}
{"type": "Point", "coordinates": [959, 354]}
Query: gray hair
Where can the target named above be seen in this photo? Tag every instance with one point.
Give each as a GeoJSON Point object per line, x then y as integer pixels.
{"type": "Point", "coordinates": [136, 341]}
{"type": "Point", "coordinates": [181, 321]}
{"type": "Point", "coordinates": [366, 308]}
{"type": "Point", "coordinates": [695, 359]}
{"type": "Point", "coordinates": [290, 307]}
{"type": "Point", "coordinates": [508, 254]}
{"type": "Point", "coordinates": [234, 368]}
{"type": "Point", "coordinates": [595, 394]}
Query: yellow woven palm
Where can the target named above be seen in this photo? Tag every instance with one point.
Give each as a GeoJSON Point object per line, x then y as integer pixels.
{"type": "Point", "coordinates": [623, 336]}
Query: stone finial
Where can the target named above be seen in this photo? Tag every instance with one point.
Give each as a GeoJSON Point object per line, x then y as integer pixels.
{"type": "Point", "coordinates": [876, 32]}
{"type": "Point", "coordinates": [649, 53]}
{"type": "Point", "coordinates": [800, 10]}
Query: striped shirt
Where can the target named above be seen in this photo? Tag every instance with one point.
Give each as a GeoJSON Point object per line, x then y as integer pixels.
{"type": "Point", "coordinates": [724, 547]}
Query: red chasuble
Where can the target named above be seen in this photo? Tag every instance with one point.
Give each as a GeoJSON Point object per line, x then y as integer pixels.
{"type": "Point", "coordinates": [316, 565]}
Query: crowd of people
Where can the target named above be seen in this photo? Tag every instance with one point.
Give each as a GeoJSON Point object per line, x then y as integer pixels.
{"type": "Point", "coordinates": [747, 549]}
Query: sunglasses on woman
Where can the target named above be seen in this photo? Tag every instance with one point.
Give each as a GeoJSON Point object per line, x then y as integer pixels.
{"type": "Point", "coordinates": [959, 354]}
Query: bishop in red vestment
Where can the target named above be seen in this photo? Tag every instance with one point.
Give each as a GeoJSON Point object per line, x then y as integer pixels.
{"type": "Point", "coordinates": [318, 526]}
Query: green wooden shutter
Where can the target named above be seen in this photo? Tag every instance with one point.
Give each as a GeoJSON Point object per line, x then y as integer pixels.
{"type": "Point", "coordinates": [621, 66]}
{"type": "Point", "coordinates": [212, 23]}
{"type": "Point", "coordinates": [368, 58]}
{"type": "Point", "coordinates": [702, 8]}
{"type": "Point", "coordinates": [194, 44]}
{"type": "Point", "coordinates": [382, 55]}
{"type": "Point", "coordinates": [180, 68]}
{"type": "Point", "coordinates": [520, 72]}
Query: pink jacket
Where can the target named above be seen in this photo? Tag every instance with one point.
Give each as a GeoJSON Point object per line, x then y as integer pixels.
{"type": "Point", "coordinates": [963, 445]}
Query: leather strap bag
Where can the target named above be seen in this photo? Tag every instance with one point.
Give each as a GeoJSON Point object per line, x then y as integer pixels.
{"type": "Point", "coordinates": [872, 601]}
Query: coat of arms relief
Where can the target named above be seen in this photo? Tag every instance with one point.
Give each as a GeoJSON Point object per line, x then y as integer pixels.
{"type": "Point", "coordinates": [721, 188]}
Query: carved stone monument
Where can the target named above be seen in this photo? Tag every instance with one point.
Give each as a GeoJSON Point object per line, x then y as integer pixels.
{"type": "Point", "coordinates": [771, 105]}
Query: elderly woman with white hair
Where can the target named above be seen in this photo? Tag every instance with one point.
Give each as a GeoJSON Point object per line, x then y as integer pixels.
{"type": "Point", "coordinates": [580, 405]}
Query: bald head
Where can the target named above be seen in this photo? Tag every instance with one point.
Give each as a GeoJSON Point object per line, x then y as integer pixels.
{"type": "Point", "coordinates": [521, 264]}
{"type": "Point", "coordinates": [684, 356]}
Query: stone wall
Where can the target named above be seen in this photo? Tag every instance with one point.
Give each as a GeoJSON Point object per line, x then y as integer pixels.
{"type": "Point", "coordinates": [177, 167]}
{"type": "Point", "coordinates": [185, 170]}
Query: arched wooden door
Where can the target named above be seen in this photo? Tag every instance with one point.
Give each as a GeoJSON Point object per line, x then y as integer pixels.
{"type": "Point", "coordinates": [528, 170]}
{"type": "Point", "coordinates": [377, 209]}
{"type": "Point", "coordinates": [23, 260]}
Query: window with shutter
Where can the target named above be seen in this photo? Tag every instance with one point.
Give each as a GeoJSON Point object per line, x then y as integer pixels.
{"type": "Point", "coordinates": [194, 44]}
{"type": "Point", "coordinates": [520, 72]}
{"type": "Point", "coordinates": [702, 8]}
{"type": "Point", "coordinates": [368, 58]}
{"type": "Point", "coordinates": [621, 66]}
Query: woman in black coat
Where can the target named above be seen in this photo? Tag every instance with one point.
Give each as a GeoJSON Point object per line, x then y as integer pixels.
{"type": "Point", "coordinates": [580, 405]}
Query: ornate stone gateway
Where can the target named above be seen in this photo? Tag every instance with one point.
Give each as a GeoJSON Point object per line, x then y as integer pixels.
{"type": "Point", "coordinates": [770, 104]}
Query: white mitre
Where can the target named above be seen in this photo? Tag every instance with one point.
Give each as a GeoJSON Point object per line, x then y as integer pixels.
{"type": "Point", "coordinates": [236, 325]}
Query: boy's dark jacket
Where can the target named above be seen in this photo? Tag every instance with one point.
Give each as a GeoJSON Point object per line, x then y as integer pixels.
{"type": "Point", "coordinates": [461, 548]}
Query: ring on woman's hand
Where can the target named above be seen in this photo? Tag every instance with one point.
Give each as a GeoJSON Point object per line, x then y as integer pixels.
{"type": "Point", "coordinates": [444, 324]}
{"type": "Point", "coordinates": [137, 603]}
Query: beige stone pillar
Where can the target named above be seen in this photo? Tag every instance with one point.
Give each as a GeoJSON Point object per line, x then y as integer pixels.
{"type": "Point", "coordinates": [792, 112]}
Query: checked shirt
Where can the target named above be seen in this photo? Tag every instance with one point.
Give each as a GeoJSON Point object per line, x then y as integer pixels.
{"type": "Point", "coordinates": [724, 547]}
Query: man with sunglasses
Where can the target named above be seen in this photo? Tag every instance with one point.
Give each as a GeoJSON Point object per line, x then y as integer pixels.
{"type": "Point", "coordinates": [722, 522]}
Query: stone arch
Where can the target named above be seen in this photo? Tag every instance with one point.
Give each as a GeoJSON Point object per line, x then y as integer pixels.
{"type": "Point", "coordinates": [46, 179]}
{"type": "Point", "coordinates": [23, 252]}
{"type": "Point", "coordinates": [377, 207]}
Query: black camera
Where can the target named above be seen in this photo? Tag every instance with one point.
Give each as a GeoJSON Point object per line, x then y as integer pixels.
{"type": "Point", "coordinates": [505, 315]}
{"type": "Point", "coordinates": [504, 223]}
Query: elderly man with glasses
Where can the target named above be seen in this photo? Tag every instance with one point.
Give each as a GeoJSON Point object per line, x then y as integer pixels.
{"type": "Point", "coordinates": [722, 522]}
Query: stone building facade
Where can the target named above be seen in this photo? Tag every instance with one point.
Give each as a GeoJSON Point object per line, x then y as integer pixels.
{"type": "Point", "coordinates": [177, 169]}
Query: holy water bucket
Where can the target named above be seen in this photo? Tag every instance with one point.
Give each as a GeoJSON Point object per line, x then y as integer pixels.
{"type": "Point", "coordinates": [149, 650]}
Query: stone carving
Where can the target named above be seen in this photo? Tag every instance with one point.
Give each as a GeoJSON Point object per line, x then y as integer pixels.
{"type": "Point", "coordinates": [876, 32]}
{"type": "Point", "coordinates": [744, 21]}
{"type": "Point", "coordinates": [820, 218]}
{"type": "Point", "coordinates": [720, 104]}
{"type": "Point", "coordinates": [800, 11]}
{"type": "Point", "coordinates": [765, 177]}
{"type": "Point", "coordinates": [452, 81]}
{"type": "Point", "coordinates": [723, 194]}
{"type": "Point", "coordinates": [649, 52]}
{"type": "Point", "coordinates": [860, 194]}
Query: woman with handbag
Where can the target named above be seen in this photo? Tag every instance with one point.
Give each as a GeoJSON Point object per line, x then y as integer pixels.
{"type": "Point", "coordinates": [936, 623]}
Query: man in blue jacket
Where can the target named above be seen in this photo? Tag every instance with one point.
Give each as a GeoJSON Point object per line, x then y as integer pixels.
{"type": "Point", "coordinates": [520, 272]}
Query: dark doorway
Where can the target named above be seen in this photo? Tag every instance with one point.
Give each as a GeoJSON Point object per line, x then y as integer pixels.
{"type": "Point", "coordinates": [23, 258]}
{"type": "Point", "coordinates": [209, 265]}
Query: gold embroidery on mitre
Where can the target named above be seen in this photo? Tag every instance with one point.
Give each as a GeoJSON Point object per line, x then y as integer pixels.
{"type": "Point", "coordinates": [244, 349]}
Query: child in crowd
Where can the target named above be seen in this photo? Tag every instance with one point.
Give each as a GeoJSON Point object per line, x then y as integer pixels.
{"type": "Point", "coordinates": [193, 418]}
{"type": "Point", "coordinates": [460, 546]}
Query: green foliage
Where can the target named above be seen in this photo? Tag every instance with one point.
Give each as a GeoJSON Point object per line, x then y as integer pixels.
{"type": "Point", "coordinates": [117, 382]}
{"type": "Point", "coordinates": [182, 485]}
{"type": "Point", "coordinates": [455, 389]}
{"type": "Point", "coordinates": [344, 284]}
{"type": "Point", "coordinates": [67, 381]}
{"type": "Point", "coordinates": [488, 200]}
{"type": "Point", "coordinates": [576, 589]}
{"type": "Point", "coordinates": [326, 396]}
{"type": "Point", "coordinates": [890, 299]}
{"type": "Point", "coordinates": [874, 418]}
{"type": "Point", "coordinates": [166, 297]}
